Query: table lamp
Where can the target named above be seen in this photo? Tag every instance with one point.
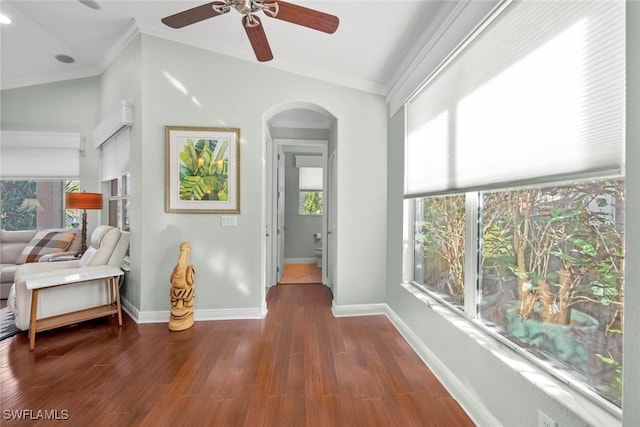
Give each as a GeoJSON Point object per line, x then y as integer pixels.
{"type": "Point", "coordinates": [83, 201]}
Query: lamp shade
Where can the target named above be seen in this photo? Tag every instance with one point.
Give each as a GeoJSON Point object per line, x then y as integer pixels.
{"type": "Point", "coordinates": [83, 200]}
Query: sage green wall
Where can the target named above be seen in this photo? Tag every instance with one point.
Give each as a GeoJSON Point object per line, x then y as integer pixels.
{"type": "Point", "coordinates": [227, 92]}
{"type": "Point", "coordinates": [68, 106]}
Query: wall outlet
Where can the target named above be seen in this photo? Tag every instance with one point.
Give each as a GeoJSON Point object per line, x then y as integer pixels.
{"type": "Point", "coordinates": [545, 420]}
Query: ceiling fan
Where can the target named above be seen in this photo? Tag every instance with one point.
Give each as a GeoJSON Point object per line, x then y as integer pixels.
{"type": "Point", "coordinates": [277, 9]}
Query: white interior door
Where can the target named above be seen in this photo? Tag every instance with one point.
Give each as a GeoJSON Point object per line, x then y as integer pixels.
{"type": "Point", "coordinates": [280, 207]}
{"type": "Point", "coordinates": [270, 256]}
{"type": "Point", "coordinates": [325, 215]}
{"type": "Point", "coordinates": [332, 226]}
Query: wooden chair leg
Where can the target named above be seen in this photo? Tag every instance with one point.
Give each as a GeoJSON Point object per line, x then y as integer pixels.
{"type": "Point", "coordinates": [32, 321]}
{"type": "Point", "coordinates": [116, 289]}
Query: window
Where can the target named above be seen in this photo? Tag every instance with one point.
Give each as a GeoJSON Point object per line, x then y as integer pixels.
{"type": "Point", "coordinates": [551, 275]}
{"type": "Point", "coordinates": [119, 193]}
{"type": "Point", "coordinates": [439, 247]}
{"type": "Point", "coordinates": [514, 187]}
{"type": "Point", "coordinates": [36, 169]}
{"type": "Point", "coordinates": [310, 188]}
{"type": "Point", "coordinates": [35, 204]}
{"type": "Point", "coordinates": [113, 137]}
{"type": "Point", "coordinates": [119, 202]}
{"type": "Point", "coordinates": [310, 203]}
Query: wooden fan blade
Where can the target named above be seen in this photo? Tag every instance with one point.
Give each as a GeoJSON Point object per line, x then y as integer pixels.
{"type": "Point", "coordinates": [304, 16]}
{"type": "Point", "coordinates": [257, 37]}
{"type": "Point", "coordinates": [191, 16]}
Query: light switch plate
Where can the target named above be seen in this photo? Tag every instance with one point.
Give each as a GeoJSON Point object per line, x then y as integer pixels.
{"type": "Point", "coordinates": [228, 221]}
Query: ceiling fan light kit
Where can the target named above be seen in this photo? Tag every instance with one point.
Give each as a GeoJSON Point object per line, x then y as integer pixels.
{"type": "Point", "coordinates": [281, 10]}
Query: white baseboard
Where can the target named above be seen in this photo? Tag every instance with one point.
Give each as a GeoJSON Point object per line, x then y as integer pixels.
{"type": "Point", "coordinates": [359, 310]}
{"type": "Point", "coordinates": [128, 308]}
{"type": "Point", "coordinates": [231, 313]}
{"type": "Point", "coordinates": [203, 315]}
{"type": "Point", "coordinates": [466, 398]}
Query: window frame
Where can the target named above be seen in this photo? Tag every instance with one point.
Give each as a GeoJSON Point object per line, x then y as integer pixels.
{"type": "Point", "coordinates": [469, 310]}
{"type": "Point", "coordinates": [121, 185]}
{"type": "Point", "coordinates": [309, 175]}
{"type": "Point", "coordinates": [470, 314]}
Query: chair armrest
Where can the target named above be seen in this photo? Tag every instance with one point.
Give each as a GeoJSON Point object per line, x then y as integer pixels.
{"type": "Point", "coordinates": [70, 276]}
{"type": "Point", "coordinates": [41, 267]}
{"type": "Point", "coordinates": [60, 256]}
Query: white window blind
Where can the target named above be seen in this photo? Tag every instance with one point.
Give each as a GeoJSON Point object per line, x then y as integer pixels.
{"type": "Point", "coordinates": [40, 155]}
{"type": "Point", "coordinates": [310, 179]}
{"type": "Point", "coordinates": [113, 137]}
{"type": "Point", "coordinates": [538, 93]}
{"type": "Point", "coordinates": [116, 154]}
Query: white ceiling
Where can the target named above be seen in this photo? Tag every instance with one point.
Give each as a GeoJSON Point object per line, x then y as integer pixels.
{"type": "Point", "coordinates": [374, 42]}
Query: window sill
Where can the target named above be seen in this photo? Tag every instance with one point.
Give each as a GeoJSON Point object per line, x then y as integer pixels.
{"type": "Point", "coordinates": [575, 401]}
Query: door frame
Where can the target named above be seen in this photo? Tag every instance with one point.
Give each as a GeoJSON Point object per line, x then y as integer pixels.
{"type": "Point", "coordinates": [274, 146]}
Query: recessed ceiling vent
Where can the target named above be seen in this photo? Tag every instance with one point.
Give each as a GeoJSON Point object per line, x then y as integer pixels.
{"type": "Point", "coordinates": [91, 4]}
{"type": "Point", "coordinates": [66, 59]}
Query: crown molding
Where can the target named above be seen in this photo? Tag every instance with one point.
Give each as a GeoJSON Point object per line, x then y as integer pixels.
{"type": "Point", "coordinates": [457, 22]}
{"type": "Point", "coordinates": [127, 37]}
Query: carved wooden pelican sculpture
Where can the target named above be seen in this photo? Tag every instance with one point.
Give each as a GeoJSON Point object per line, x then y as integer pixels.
{"type": "Point", "coordinates": [182, 291]}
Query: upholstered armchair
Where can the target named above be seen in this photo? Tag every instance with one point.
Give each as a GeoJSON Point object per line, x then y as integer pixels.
{"type": "Point", "coordinates": [107, 248]}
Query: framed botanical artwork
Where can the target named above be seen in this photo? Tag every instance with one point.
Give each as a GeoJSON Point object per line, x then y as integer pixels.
{"type": "Point", "coordinates": [202, 170]}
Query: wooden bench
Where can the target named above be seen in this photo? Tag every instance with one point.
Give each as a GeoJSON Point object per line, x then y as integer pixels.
{"type": "Point", "coordinates": [111, 275]}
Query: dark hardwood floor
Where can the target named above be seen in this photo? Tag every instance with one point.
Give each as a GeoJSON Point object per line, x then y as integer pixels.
{"type": "Point", "coordinates": [299, 366]}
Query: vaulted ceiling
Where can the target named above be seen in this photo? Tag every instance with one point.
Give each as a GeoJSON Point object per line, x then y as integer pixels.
{"type": "Point", "coordinates": [374, 41]}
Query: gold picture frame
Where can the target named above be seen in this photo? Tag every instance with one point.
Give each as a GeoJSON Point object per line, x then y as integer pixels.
{"type": "Point", "coordinates": [202, 170]}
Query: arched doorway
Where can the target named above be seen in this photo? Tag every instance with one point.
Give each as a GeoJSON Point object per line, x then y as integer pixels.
{"type": "Point", "coordinates": [294, 134]}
